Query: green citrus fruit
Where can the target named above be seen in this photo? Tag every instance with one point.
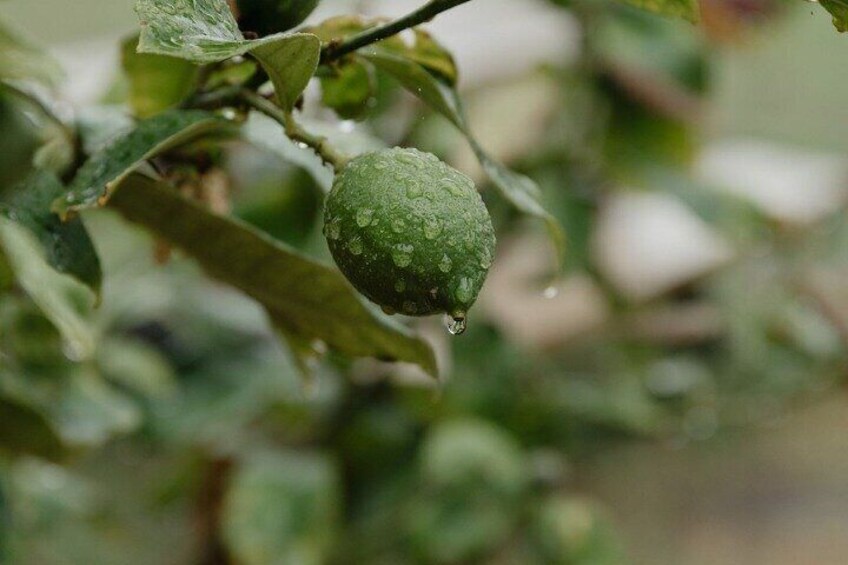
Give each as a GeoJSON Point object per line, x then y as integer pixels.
{"type": "Point", "coordinates": [266, 17]}
{"type": "Point", "coordinates": [409, 232]}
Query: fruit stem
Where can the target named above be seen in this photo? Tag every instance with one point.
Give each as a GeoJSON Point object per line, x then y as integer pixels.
{"type": "Point", "coordinates": [425, 13]}
{"type": "Point", "coordinates": [321, 145]}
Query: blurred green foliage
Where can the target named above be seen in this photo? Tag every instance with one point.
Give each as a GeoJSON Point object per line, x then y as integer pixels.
{"type": "Point", "coordinates": [166, 409]}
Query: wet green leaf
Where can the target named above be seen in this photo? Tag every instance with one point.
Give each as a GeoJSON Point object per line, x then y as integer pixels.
{"type": "Point", "coordinates": [422, 49]}
{"type": "Point", "coordinates": [431, 55]}
{"type": "Point", "coordinates": [96, 180]}
{"type": "Point", "coordinates": [204, 31]}
{"type": "Point", "coordinates": [67, 246]}
{"type": "Point", "coordinates": [290, 63]}
{"type": "Point", "coordinates": [302, 297]}
{"type": "Point", "coordinates": [156, 82]}
{"type": "Point", "coordinates": [839, 10]}
{"type": "Point", "coordinates": [348, 89]}
{"type": "Point", "coordinates": [518, 190]}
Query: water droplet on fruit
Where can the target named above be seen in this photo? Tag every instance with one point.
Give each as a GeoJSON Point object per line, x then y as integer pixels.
{"type": "Point", "coordinates": [388, 310]}
{"type": "Point", "coordinates": [355, 246]}
{"type": "Point", "coordinates": [432, 228]}
{"type": "Point", "coordinates": [398, 225]}
{"type": "Point", "coordinates": [445, 265]}
{"type": "Point", "coordinates": [463, 291]}
{"type": "Point", "coordinates": [485, 259]}
{"type": "Point", "coordinates": [452, 186]}
{"type": "Point", "coordinates": [333, 229]}
{"type": "Point", "coordinates": [457, 323]}
{"type": "Point", "coordinates": [364, 217]}
{"type": "Point", "coordinates": [402, 254]}
{"type": "Point", "coordinates": [413, 189]}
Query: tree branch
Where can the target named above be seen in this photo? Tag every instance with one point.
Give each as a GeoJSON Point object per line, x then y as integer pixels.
{"type": "Point", "coordinates": [294, 131]}
{"type": "Point", "coordinates": [423, 14]}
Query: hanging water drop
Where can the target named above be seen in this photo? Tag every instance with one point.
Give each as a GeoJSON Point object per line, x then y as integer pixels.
{"type": "Point", "coordinates": [445, 265]}
{"type": "Point", "coordinates": [355, 246]}
{"type": "Point", "coordinates": [402, 255]}
{"type": "Point", "coordinates": [333, 229]}
{"type": "Point", "coordinates": [432, 228]}
{"type": "Point", "coordinates": [457, 323]}
{"type": "Point", "coordinates": [398, 225]}
{"type": "Point", "coordinates": [364, 217]}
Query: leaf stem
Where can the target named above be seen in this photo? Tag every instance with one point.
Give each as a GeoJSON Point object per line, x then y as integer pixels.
{"type": "Point", "coordinates": [294, 130]}
{"type": "Point", "coordinates": [423, 14]}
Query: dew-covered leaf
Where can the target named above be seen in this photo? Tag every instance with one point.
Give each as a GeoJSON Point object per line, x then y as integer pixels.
{"type": "Point", "coordinates": [205, 31]}
{"type": "Point", "coordinates": [303, 297]}
{"type": "Point", "coordinates": [156, 82]}
{"type": "Point", "coordinates": [520, 191]}
{"type": "Point", "coordinates": [201, 31]}
{"type": "Point", "coordinates": [96, 180]}
{"type": "Point", "coordinates": [67, 246]}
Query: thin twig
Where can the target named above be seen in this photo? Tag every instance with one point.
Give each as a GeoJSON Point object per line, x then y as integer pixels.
{"type": "Point", "coordinates": [294, 130]}
{"type": "Point", "coordinates": [423, 14]}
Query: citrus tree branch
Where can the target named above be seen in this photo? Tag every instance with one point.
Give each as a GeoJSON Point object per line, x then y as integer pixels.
{"type": "Point", "coordinates": [423, 14]}
{"type": "Point", "coordinates": [294, 130]}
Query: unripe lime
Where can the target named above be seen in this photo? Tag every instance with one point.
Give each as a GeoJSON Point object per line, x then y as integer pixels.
{"type": "Point", "coordinates": [409, 232]}
{"type": "Point", "coordinates": [266, 17]}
